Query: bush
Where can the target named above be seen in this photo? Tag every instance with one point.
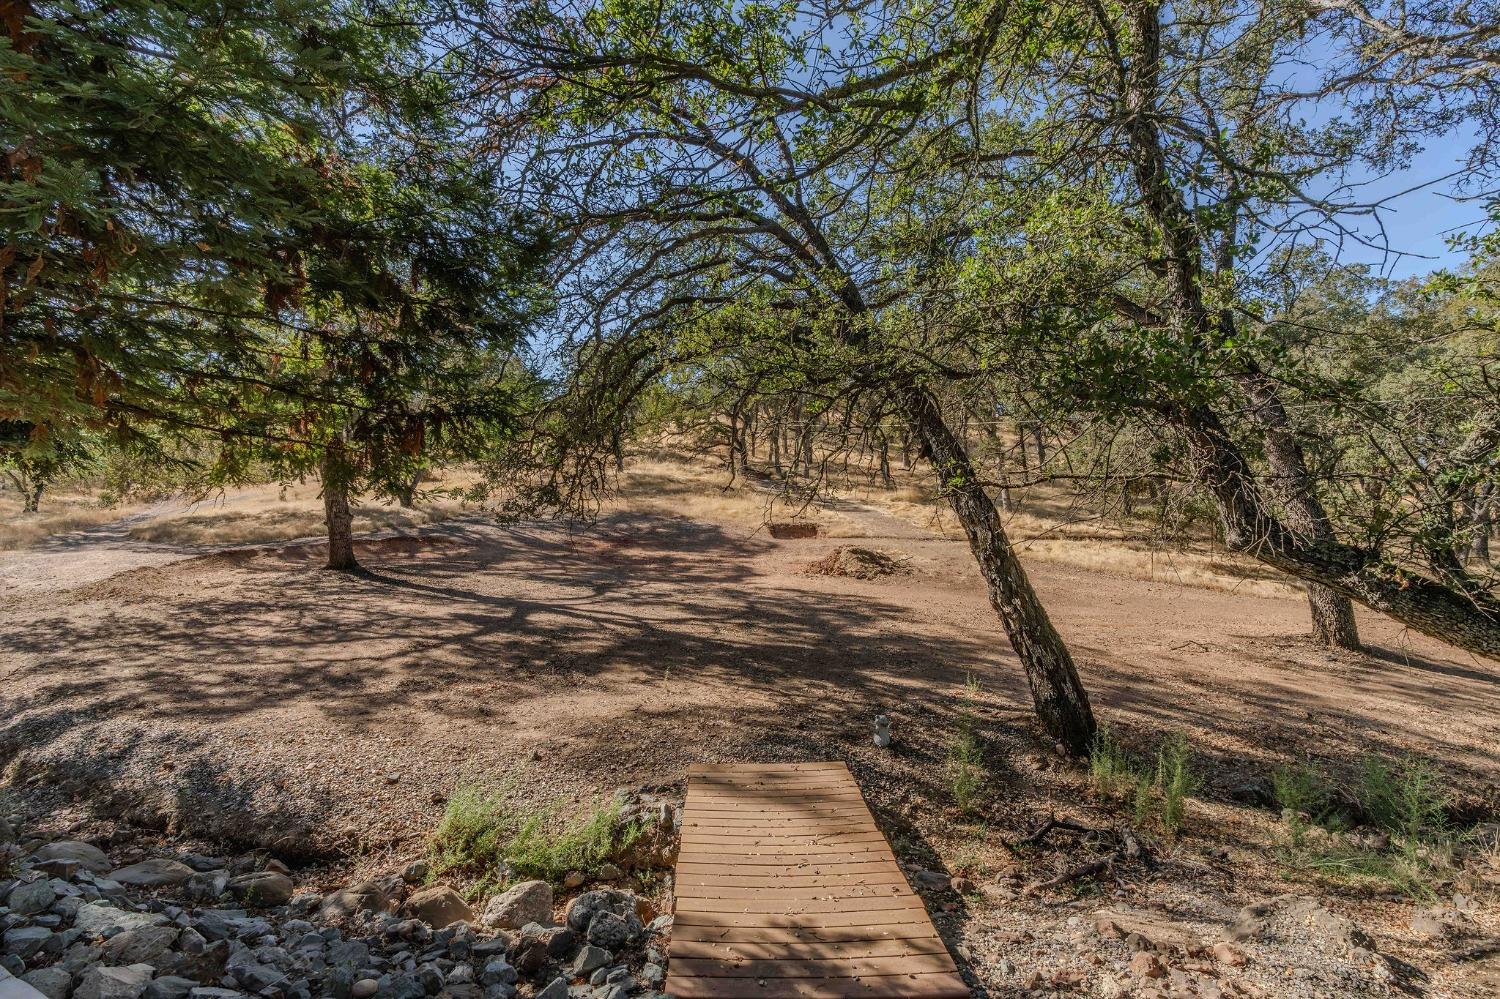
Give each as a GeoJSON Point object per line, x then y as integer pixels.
{"type": "Point", "coordinates": [1404, 800]}
{"type": "Point", "coordinates": [1110, 768]}
{"type": "Point", "coordinates": [483, 836]}
{"type": "Point", "coordinates": [965, 766]}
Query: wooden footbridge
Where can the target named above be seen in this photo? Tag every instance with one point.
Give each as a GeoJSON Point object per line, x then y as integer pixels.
{"type": "Point", "coordinates": [785, 888]}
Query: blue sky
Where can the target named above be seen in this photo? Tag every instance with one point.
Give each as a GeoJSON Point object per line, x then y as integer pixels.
{"type": "Point", "coordinates": [1420, 221]}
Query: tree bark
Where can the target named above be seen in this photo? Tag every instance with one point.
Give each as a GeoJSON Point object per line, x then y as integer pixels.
{"type": "Point", "coordinates": [337, 515]}
{"type": "Point", "coordinates": [1061, 702]}
{"type": "Point", "coordinates": [1333, 621]}
{"type": "Point", "coordinates": [1467, 619]}
{"type": "Point", "coordinates": [31, 498]}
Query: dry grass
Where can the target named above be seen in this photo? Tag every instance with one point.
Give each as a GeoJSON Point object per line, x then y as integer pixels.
{"type": "Point", "coordinates": [673, 486]}
{"type": "Point", "coordinates": [62, 512]}
{"type": "Point", "coordinates": [270, 513]}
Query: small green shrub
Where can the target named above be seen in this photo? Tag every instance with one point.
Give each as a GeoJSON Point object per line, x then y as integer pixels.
{"type": "Point", "coordinates": [1111, 770]}
{"type": "Point", "coordinates": [965, 765]}
{"type": "Point", "coordinates": [485, 837]}
{"type": "Point", "coordinates": [1175, 781]}
{"type": "Point", "coordinates": [1301, 788]}
{"type": "Point", "coordinates": [1405, 800]}
{"type": "Point", "coordinates": [965, 770]}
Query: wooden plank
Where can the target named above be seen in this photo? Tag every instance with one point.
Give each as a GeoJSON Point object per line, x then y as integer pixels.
{"type": "Point", "coordinates": [786, 888]}
{"type": "Point", "coordinates": [745, 950]}
{"type": "Point", "coordinates": [813, 968]}
{"type": "Point", "coordinates": [798, 906]}
{"type": "Point", "coordinates": [929, 986]}
{"type": "Point", "coordinates": [804, 935]}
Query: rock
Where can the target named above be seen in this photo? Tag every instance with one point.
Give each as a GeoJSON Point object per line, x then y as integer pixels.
{"type": "Point", "coordinates": [608, 930]}
{"type": "Point", "coordinates": [70, 851]}
{"type": "Point", "coordinates": [54, 983]}
{"type": "Point", "coordinates": [1143, 929]}
{"type": "Point", "coordinates": [609, 872]}
{"type": "Point", "coordinates": [963, 886]}
{"type": "Point", "coordinates": [1147, 965]}
{"type": "Point", "coordinates": [24, 941]}
{"type": "Point", "coordinates": [142, 945]}
{"type": "Point", "coordinates": [933, 879]}
{"type": "Point", "coordinates": [416, 872]}
{"type": "Point", "coordinates": [652, 976]}
{"type": "Point", "coordinates": [1429, 923]}
{"type": "Point", "coordinates": [498, 972]}
{"type": "Point", "coordinates": [96, 917]}
{"type": "Point", "coordinates": [170, 987]}
{"type": "Point", "coordinates": [364, 988]}
{"type": "Point", "coordinates": [1304, 917]}
{"type": "Point", "coordinates": [437, 906]}
{"type": "Point", "coordinates": [589, 958]}
{"type": "Point", "coordinates": [558, 989]}
{"type": "Point", "coordinates": [156, 873]}
{"type": "Point", "coordinates": [207, 885]}
{"type": "Point", "coordinates": [30, 899]}
{"type": "Point", "coordinates": [574, 880]}
{"type": "Point", "coordinates": [114, 983]}
{"type": "Point", "coordinates": [527, 902]}
{"type": "Point", "coordinates": [356, 898]}
{"type": "Point", "coordinates": [262, 888]}
{"type": "Point", "coordinates": [1228, 953]}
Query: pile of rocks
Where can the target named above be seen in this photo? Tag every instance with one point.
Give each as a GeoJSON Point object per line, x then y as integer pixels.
{"type": "Point", "coordinates": [76, 926]}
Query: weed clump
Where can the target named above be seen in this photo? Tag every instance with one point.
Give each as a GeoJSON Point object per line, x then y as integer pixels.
{"type": "Point", "coordinates": [1406, 842]}
{"type": "Point", "coordinates": [1158, 794]}
{"type": "Point", "coordinates": [965, 763]}
{"type": "Point", "coordinates": [485, 836]}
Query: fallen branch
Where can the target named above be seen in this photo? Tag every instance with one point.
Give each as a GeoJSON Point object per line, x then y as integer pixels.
{"type": "Point", "coordinates": [1041, 831]}
{"type": "Point", "coordinates": [1081, 871]}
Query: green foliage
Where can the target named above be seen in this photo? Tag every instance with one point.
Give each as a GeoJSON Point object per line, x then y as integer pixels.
{"type": "Point", "coordinates": [965, 760]}
{"type": "Point", "coordinates": [259, 226]}
{"type": "Point", "coordinates": [484, 836]}
{"type": "Point", "coordinates": [1158, 794]}
{"type": "Point", "coordinates": [1407, 845]}
{"type": "Point", "coordinates": [1111, 770]}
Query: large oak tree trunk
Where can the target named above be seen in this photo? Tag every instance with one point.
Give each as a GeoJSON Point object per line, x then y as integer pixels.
{"type": "Point", "coordinates": [1333, 622]}
{"type": "Point", "coordinates": [1467, 619]}
{"type": "Point", "coordinates": [337, 515]}
{"type": "Point", "coordinates": [1061, 703]}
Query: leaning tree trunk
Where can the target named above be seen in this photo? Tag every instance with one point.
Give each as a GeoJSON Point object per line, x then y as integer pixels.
{"type": "Point", "coordinates": [31, 501]}
{"type": "Point", "coordinates": [1061, 703]}
{"type": "Point", "coordinates": [337, 515]}
{"type": "Point", "coordinates": [1333, 622]}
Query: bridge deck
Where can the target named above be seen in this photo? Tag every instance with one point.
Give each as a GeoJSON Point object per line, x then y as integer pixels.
{"type": "Point", "coordinates": [785, 888]}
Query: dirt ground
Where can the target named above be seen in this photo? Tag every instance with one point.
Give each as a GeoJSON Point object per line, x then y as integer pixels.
{"type": "Point", "coordinates": [221, 684]}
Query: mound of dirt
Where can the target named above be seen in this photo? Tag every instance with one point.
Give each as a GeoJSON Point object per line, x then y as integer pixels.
{"type": "Point", "coordinates": [861, 563]}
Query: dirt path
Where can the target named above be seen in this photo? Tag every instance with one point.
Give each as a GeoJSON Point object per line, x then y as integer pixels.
{"type": "Point", "coordinates": [250, 693]}
{"type": "Point", "coordinates": [68, 560]}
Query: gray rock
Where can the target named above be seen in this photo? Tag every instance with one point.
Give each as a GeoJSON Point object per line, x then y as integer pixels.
{"type": "Point", "coordinates": [608, 930]}
{"type": "Point", "coordinates": [357, 897]}
{"type": "Point", "coordinates": [15, 988]}
{"type": "Point", "coordinates": [155, 873]}
{"type": "Point", "coordinates": [653, 975]}
{"type": "Point", "coordinates": [263, 888]}
{"type": "Point", "coordinates": [70, 851]}
{"type": "Point", "coordinates": [207, 885]}
{"type": "Point", "coordinates": [557, 989]}
{"type": "Point", "coordinates": [29, 899]}
{"type": "Point", "coordinates": [96, 917]}
{"type": "Point", "coordinates": [527, 902]}
{"type": "Point", "coordinates": [114, 983]}
{"type": "Point", "coordinates": [24, 941]}
{"type": "Point", "coordinates": [498, 972]}
{"type": "Point", "coordinates": [364, 988]}
{"type": "Point", "coordinates": [170, 987]}
{"type": "Point", "coordinates": [590, 958]}
{"type": "Point", "coordinates": [54, 983]}
{"type": "Point", "coordinates": [416, 872]}
{"type": "Point", "coordinates": [401, 987]}
{"type": "Point", "coordinates": [143, 945]}
{"type": "Point", "coordinates": [215, 993]}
